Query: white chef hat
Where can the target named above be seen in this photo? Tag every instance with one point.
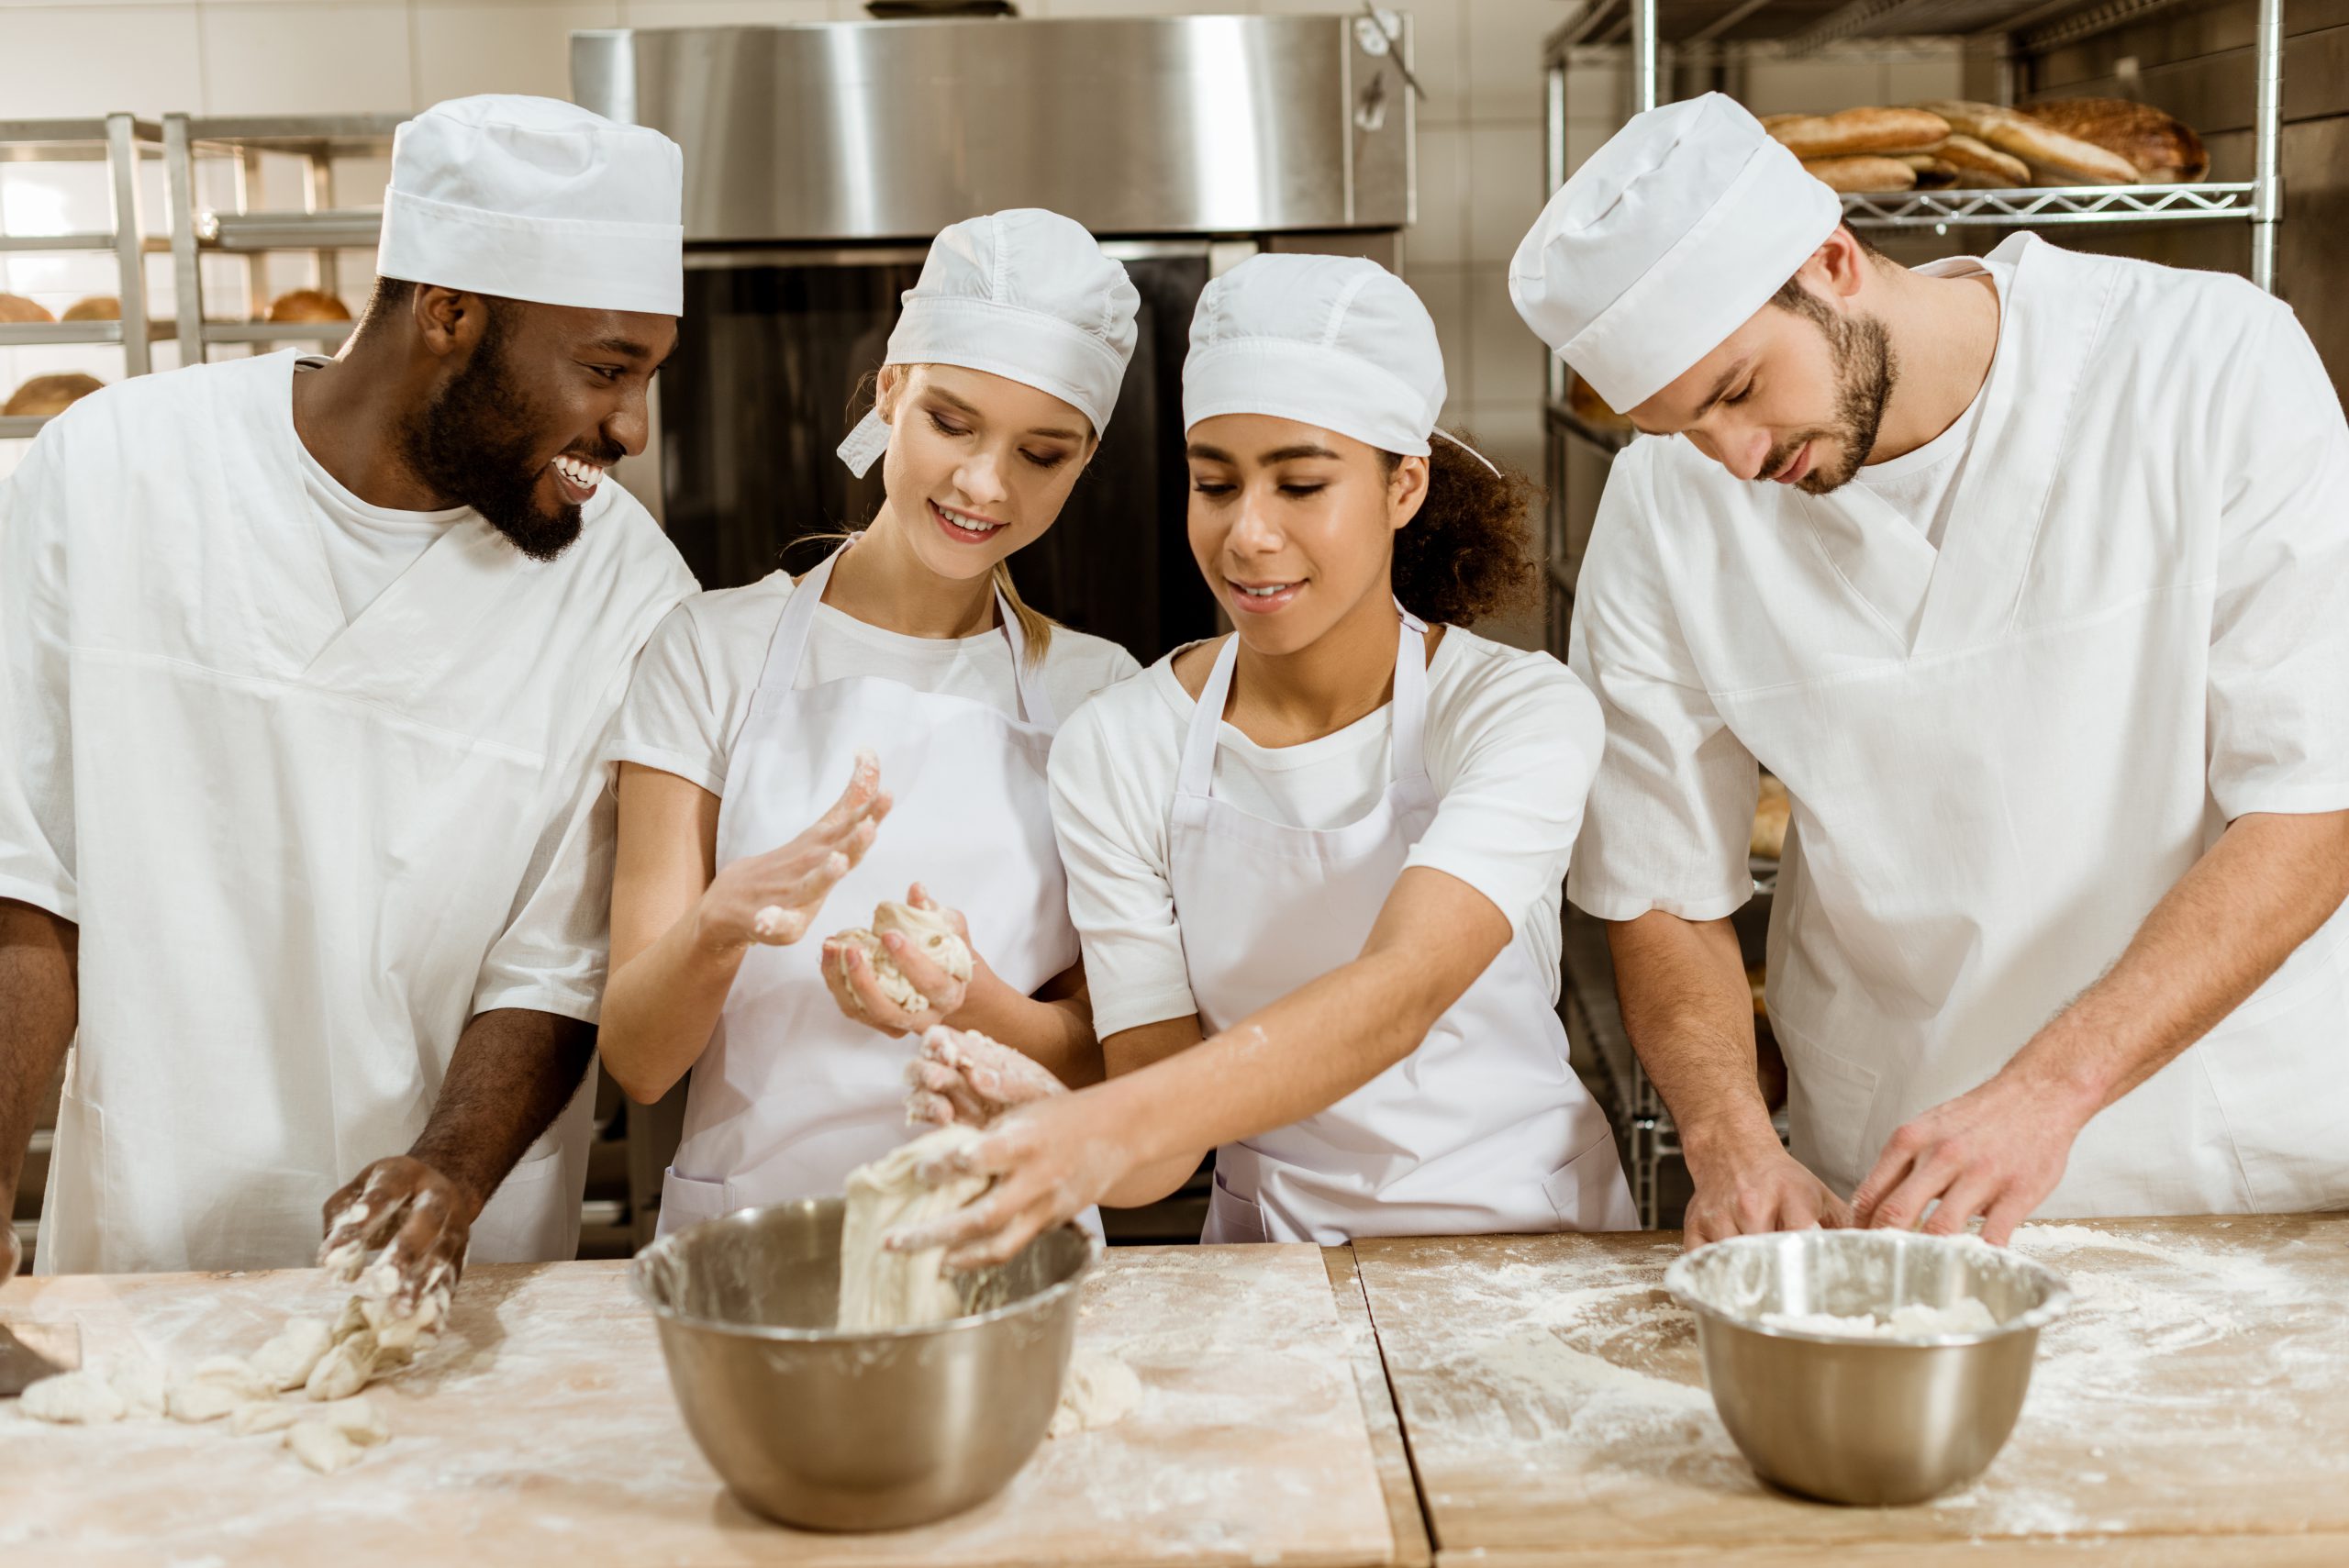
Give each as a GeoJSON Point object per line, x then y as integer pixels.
{"type": "Point", "coordinates": [1336, 341]}
{"type": "Point", "coordinates": [1023, 294]}
{"type": "Point", "coordinates": [536, 199]}
{"type": "Point", "coordinates": [1664, 242]}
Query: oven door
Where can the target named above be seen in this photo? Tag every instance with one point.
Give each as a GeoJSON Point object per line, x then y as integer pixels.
{"type": "Point", "coordinates": [773, 366]}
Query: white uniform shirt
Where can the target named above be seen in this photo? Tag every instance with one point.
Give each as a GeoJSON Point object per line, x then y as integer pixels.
{"type": "Point", "coordinates": [1919, 485]}
{"type": "Point", "coordinates": [367, 546]}
{"type": "Point", "coordinates": [693, 687]}
{"type": "Point", "coordinates": [1512, 740]}
{"type": "Point", "coordinates": [304, 849]}
{"type": "Point", "coordinates": [2002, 753]}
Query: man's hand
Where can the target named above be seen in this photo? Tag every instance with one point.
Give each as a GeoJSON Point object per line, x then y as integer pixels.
{"type": "Point", "coordinates": [966, 1077]}
{"type": "Point", "coordinates": [1996, 1153]}
{"type": "Point", "coordinates": [420, 1218]}
{"type": "Point", "coordinates": [1758, 1187]}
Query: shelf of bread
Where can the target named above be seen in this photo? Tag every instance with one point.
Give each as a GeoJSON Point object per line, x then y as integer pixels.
{"type": "Point", "coordinates": [1695, 29]}
{"type": "Point", "coordinates": [2035, 206]}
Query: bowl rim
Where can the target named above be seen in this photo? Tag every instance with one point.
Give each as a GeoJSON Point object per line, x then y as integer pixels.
{"type": "Point", "coordinates": [2059, 1297]}
{"type": "Point", "coordinates": [784, 1334]}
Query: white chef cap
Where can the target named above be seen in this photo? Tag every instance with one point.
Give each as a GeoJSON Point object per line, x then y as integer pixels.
{"type": "Point", "coordinates": [536, 199]}
{"type": "Point", "coordinates": [1336, 341]}
{"type": "Point", "coordinates": [1023, 294]}
{"type": "Point", "coordinates": [1664, 242]}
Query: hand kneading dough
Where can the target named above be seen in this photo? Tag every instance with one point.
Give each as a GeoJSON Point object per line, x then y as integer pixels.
{"type": "Point", "coordinates": [927, 930]}
{"type": "Point", "coordinates": [1098, 1391]}
{"type": "Point", "coordinates": [287, 1360]}
{"type": "Point", "coordinates": [881, 1289]}
{"type": "Point", "coordinates": [325, 1448]}
{"type": "Point", "coordinates": [75, 1398]}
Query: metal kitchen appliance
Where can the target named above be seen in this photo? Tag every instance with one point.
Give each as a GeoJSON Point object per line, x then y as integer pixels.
{"type": "Point", "coordinates": [819, 161]}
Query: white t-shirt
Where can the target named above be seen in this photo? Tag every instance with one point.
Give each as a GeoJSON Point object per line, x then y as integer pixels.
{"type": "Point", "coordinates": [694, 685]}
{"type": "Point", "coordinates": [1919, 485]}
{"type": "Point", "coordinates": [367, 546]}
{"type": "Point", "coordinates": [1513, 740]}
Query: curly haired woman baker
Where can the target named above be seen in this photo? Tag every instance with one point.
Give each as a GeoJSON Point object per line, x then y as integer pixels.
{"type": "Point", "coordinates": [1316, 866]}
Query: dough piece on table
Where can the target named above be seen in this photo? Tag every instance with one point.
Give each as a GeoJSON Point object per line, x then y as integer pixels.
{"type": "Point", "coordinates": [1098, 1391]}
{"type": "Point", "coordinates": [141, 1386]}
{"type": "Point", "coordinates": [1854, 131]}
{"type": "Point", "coordinates": [927, 930]}
{"type": "Point", "coordinates": [2055, 159]}
{"type": "Point", "coordinates": [72, 1398]}
{"type": "Point", "coordinates": [264, 1415]}
{"type": "Point", "coordinates": [880, 1289]}
{"type": "Point", "coordinates": [400, 1336]}
{"type": "Point", "coordinates": [356, 1419]}
{"type": "Point", "coordinates": [346, 1369]}
{"type": "Point", "coordinates": [322, 1446]}
{"type": "Point", "coordinates": [215, 1388]}
{"type": "Point", "coordinates": [1849, 176]}
{"type": "Point", "coordinates": [287, 1360]}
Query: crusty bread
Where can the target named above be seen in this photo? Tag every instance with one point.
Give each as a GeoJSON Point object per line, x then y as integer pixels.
{"type": "Point", "coordinates": [17, 310]}
{"type": "Point", "coordinates": [50, 394]}
{"type": "Point", "coordinates": [307, 305]}
{"type": "Point", "coordinates": [1592, 409]}
{"type": "Point", "coordinates": [1932, 174]}
{"type": "Point", "coordinates": [1979, 165]}
{"type": "Point", "coordinates": [2054, 158]}
{"type": "Point", "coordinates": [1773, 810]}
{"type": "Point", "coordinates": [2165, 150]}
{"type": "Point", "coordinates": [1848, 175]}
{"type": "Point", "coordinates": [1851, 132]}
{"type": "Point", "coordinates": [95, 307]}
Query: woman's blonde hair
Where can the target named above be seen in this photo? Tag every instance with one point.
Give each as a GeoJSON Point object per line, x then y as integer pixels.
{"type": "Point", "coordinates": [1035, 626]}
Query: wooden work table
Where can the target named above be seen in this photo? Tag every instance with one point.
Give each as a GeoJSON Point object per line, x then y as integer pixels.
{"type": "Point", "coordinates": [2193, 1409]}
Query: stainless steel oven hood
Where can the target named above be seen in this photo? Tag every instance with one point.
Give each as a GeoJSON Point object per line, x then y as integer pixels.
{"type": "Point", "coordinates": [862, 132]}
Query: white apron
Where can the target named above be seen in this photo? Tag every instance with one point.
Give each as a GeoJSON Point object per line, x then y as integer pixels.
{"type": "Point", "coordinates": [2001, 754]}
{"type": "Point", "coordinates": [1483, 1128]}
{"type": "Point", "coordinates": [791, 1094]}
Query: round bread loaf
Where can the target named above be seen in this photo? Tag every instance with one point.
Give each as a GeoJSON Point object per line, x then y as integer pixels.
{"type": "Point", "coordinates": [95, 307]}
{"type": "Point", "coordinates": [17, 310]}
{"type": "Point", "coordinates": [50, 394]}
{"type": "Point", "coordinates": [307, 305]}
{"type": "Point", "coordinates": [2164, 149]}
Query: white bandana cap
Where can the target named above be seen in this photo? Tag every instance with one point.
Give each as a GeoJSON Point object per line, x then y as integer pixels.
{"type": "Point", "coordinates": [1023, 294]}
{"type": "Point", "coordinates": [1665, 242]}
{"type": "Point", "coordinates": [536, 199]}
{"type": "Point", "coordinates": [1336, 341]}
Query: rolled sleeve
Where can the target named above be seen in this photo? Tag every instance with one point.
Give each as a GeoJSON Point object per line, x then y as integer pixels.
{"type": "Point", "coordinates": [37, 817]}
{"type": "Point", "coordinates": [1671, 813]}
{"type": "Point", "coordinates": [2278, 697]}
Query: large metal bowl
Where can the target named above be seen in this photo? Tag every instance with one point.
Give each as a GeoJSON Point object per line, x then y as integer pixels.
{"type": "Point", "coordinates": [1870, 1421]}
{"type": "Point", "coordinates": [854, 1431]}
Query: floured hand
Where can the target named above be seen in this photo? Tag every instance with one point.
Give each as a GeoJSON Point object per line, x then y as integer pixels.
{"type": "Point", "coordinates": [772, 898]}
{"type": "Point", "coordinates": [913, 969]}
{"type": "Point", "coordinates": [963, 1076]}
{"type": "Point", "coordinates": [417, 1220]}
{"type": "Point", "coordinates": [1052, 1159]}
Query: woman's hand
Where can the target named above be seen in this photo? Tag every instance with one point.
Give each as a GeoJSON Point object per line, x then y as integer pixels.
{"type": "Point", "coordinates": [774, 899]}
{"type": "Point", "coordinates": [1052, 1159]}
{"type": "Point", "coordinates": [966, 1077]}
{"type": "Point", "coordinates": [856, 986]}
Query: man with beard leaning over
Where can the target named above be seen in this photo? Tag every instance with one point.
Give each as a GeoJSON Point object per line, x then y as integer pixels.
{"type": "Point", "coordinates": [2029, 575]}
{"type": "Point", "coordinates": [304, 666]}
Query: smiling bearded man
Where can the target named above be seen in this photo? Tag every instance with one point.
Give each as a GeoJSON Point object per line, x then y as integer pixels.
{"type": "Point", "coordinates": [304, 665]}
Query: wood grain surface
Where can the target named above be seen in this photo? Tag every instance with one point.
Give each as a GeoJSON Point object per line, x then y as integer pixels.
{"type": "Point", "coordinates": [540, 1429]}
{"type": "Point", "coordinates": [2193, 1409]}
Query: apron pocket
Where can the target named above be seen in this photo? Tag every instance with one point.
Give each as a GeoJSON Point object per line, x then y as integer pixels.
{"type": "Point", "coordinates": [1589, 1193]}
{"type": "Point", "coordinates": [1828, 1101]}
{"type": "Point", "coordinates": [687, 1201]}
{"type": "Point", "coordinates": [1232, 1218]}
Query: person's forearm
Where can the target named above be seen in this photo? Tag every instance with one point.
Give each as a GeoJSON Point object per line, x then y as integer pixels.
{"type": "Point", "coordinates": [513, 1072]}
{"type": "Point", "coordinates": [39, 1004]}
{"type": "Point", "coordinates": [661, 1008]}
{"type": "Point", "coordinates": [1689, 1014]}
{"type": "Point", "coordinates": [2232, 919]}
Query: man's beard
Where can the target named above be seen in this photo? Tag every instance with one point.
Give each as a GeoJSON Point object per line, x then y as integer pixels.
{"type": "Point", "coordinates": [473, 442]}
{"type": "Point", "coordinates": [1865, 372]}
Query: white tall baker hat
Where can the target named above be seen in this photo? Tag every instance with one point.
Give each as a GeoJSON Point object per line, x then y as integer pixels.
{"type": "Point", "coordinates": [1665, 242]}
{"type": "Point", "coordinates": [536, 199]}
{"type": "Point", "coordinates": [1023, 294]}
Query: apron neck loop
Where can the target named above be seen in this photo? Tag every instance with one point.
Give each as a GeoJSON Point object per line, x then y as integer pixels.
{"type": "Point", "coordinates": [1035, 706]}
{"type": "Point", "coordinates": [1407, 750]}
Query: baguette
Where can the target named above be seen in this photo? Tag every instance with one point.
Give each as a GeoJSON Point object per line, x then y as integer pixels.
{"type": "Point", "coordinates": [2165, 150]}
{"type": "Point", "coordinates": [1848, 176]}
{"type": "Point", "coordinates": [1932, 174]}
{"type": "Point", "coordinates": [1851, 132]}
{"type": "Point", "coordinates": [2054, 158]}
{"type": "Point", "coordinates": [1979, 166]}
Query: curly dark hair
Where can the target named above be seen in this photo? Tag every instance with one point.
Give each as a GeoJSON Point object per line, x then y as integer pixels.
{"type": "Point", "coordinates": [1470, 551]}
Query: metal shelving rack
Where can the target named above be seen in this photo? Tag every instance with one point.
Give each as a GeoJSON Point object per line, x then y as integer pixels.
{"type": "Point", "coordinates": [1655, 40]}
{"type": "Point", "coordinates": [319, 228]}
{"type": "Point", "coordinates": [120, 142]}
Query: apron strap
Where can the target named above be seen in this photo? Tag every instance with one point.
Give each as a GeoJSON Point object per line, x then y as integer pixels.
{"type": "Point", "coordinates": [1035, 706]}
{"type": "Point", "coordinates": [1407, 750]}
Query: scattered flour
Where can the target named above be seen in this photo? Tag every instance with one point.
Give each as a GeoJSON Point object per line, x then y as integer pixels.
{"type": "Point", "coordinates": [1914, 1321]}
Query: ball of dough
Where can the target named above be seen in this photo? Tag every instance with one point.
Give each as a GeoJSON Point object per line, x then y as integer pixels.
{"type": "Point", "coordinates": [926, 929]}
{"type": "Point", "coordinates": [50, 393]}
{"type": "Point", "coordinates": [72, 1398]}
{"type": "Point", "coordinates": [324, 1447]}
{"type": "Point", "coordinates": [264, 1416]}
{"type": "Point", "coordinates": [287, 1360]}
{"type": "Point", "coordinates": [1098, 1391]}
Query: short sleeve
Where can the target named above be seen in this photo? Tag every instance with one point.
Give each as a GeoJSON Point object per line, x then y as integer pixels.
{"type": "Point", "coordinates": [674, 717]}
{"type": "Point", "coordinates": [1520, 747]}
{"type": "Point", "coordinates": [1110, 795]}
{"type": "Point", "coordinates": [1671, 812]}
{"type": "Point", "coordinates": [2278, 701]}
{"type": "Point", "coordinates": [37, 820]}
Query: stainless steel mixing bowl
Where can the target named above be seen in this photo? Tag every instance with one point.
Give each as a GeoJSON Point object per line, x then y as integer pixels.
{"type": "Point", "coordinates": [862, 1431]}
{"type": "Point", "coordinates": [1864, 1420]}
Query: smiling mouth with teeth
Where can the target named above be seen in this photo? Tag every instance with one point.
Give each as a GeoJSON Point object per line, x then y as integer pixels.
{"type": "Point", "coordinates": [1265, 591]}
{"type": "Point", "coordinates": [965, 522]}
{"type": "Point", "coordinates": [578, 472]}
